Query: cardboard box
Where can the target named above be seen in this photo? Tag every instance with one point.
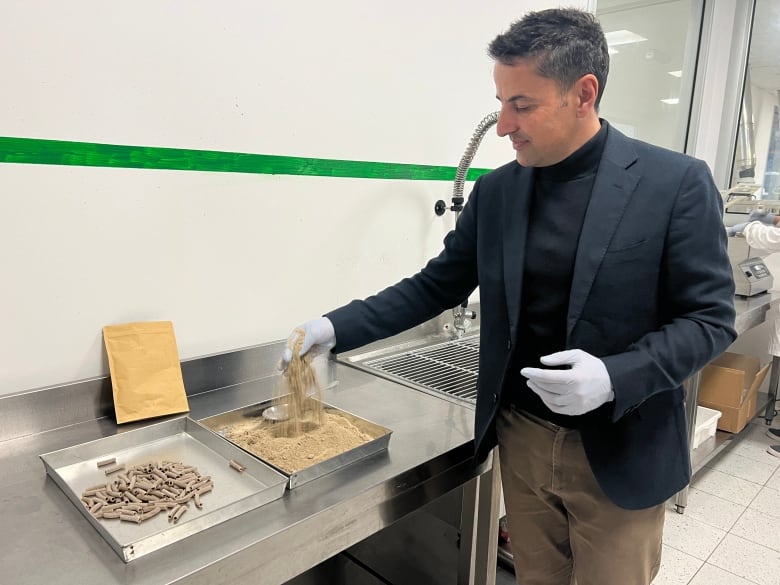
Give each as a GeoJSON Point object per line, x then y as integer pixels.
{"type": "Point", "coordinates": [730, 384]}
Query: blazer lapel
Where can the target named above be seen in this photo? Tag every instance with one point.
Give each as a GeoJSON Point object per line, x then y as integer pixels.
{"type": "Point", "coordinates": [612, 190]}
{"type": "Point", "coordinates": [516, 205]}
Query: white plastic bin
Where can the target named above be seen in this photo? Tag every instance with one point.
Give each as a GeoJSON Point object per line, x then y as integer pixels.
{"type": "Point", "coordinates": [706, 424]}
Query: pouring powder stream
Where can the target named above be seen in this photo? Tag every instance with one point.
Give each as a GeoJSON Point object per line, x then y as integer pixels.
{"type": "Point", "coordinates": [304, 398]}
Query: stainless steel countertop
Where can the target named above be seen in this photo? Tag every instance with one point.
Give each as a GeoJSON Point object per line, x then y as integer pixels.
{"type": "Point", "coordinates": [46, 539]}
{"type": "Point", "coordinates": [752, 311]}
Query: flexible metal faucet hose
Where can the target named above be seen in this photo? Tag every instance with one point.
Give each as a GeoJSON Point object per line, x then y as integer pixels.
{"type": "Point", "coordinates": [468, 156]}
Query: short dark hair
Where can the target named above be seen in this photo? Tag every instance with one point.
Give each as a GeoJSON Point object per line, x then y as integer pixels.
{"type": "Point", "coordinates": [565, 43]}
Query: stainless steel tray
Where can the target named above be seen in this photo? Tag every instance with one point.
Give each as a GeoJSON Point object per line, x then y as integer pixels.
{"type": "Point", "coordinates": [221, 422]}
{"type": "Point", "coordinates": [74, 469]}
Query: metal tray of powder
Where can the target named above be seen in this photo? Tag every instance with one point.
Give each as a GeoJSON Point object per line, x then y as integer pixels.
{"type": "Point", "coordinates": [75, 469]}
{"type": "Point", "coordinates": [316, 452]}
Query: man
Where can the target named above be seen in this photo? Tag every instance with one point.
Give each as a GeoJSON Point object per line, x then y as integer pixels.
{"type": "Point", "coordinates": [604, 283]}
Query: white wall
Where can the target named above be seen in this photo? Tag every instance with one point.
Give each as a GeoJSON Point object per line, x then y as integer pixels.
{"type": "Point", "coordinates": [232, 259]}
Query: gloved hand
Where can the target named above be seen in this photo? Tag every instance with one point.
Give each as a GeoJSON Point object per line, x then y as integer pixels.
{"type": "Point", "coordinates": [736, 230]}
{"type": "Point", "coordinates": [582, 388]}
{"type": "Point", "coordinates": [762, 216]}
{"type": "Point", "coordinates": [317, 333]}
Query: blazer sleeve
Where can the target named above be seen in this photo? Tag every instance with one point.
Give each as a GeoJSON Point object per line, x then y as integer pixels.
{"type": "Point", "coordinates": [695, 296]}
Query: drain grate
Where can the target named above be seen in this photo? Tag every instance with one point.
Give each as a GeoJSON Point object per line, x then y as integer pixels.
{"type": "Point", "coordinates": [449, 367]}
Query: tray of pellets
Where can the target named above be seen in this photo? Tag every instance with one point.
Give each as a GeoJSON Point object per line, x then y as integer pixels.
{"type": "Point", "coordinates": [337, 439]}
{"type": "Point", "coordinates": [146, 488]}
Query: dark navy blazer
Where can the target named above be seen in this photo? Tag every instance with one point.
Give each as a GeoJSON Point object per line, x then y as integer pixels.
{"type": "Point", "coordinates": [651, 295]}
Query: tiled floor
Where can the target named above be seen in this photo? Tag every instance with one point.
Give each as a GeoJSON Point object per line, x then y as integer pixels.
{"type": "Point", "coordinates": [730, 531]}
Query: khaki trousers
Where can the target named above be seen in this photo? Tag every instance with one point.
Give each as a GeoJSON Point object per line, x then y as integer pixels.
{"type": "Point", "coordinates": [562, 527]}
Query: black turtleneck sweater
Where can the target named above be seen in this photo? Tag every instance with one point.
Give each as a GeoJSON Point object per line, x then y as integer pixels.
{"type": "Point", "coordinates": [558, 204]}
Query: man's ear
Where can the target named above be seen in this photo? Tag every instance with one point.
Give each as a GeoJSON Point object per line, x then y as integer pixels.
{"type": "Point", "coordinates": [586, 91]}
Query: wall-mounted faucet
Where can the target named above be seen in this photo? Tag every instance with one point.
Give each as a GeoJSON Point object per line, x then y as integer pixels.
{"type": "Point", "coordinates": [461, 315]}
{"type": "Point", "coordinates": [464, 165]}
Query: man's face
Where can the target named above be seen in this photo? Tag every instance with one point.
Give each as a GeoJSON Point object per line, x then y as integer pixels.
{"type": "Point", "coordinates": [544, 125]}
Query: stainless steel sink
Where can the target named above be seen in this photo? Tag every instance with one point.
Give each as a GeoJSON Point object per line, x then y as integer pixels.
{"type": "Point", "coordinates": [427, 358]}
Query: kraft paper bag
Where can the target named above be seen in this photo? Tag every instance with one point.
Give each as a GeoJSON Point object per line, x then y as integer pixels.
{"type": "Point", "coordinates": [145, 370]}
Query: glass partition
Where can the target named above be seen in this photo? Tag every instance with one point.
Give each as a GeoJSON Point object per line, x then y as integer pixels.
{"type": "Point", "coordinates": [653, 47]}
{"type": "Point", "coordinates": [756, 165]}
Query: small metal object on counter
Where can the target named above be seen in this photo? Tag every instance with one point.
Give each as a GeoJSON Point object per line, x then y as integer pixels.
{"type": "Point", "coordinates": [221, 423]}
{"type": "Point", "coordinates": [75, 471]}
{"type": "Point", "coordinates": [277, 412]}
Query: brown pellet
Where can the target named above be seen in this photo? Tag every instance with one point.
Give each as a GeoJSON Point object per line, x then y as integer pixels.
{"type": "Point", "coordinates": [106, 462]}
{"type": "Point", "coordinates": [172, 513]}
{"type": "Point", "coordinates": [131, 496]}
{"type": "Point", "coordinates": [179, 513]}
{"type": "Point", "coordinates": [151, 513]}
{"type": "Point", "coordinates": [236, 465]}
{"type": "Point", "coordinates": [130, 518]}
{"type": "Point", "coordinates": [141, 492]}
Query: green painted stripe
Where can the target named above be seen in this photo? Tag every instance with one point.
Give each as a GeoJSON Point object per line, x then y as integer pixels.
{"type": "Point", "coordinates": [60, 152]}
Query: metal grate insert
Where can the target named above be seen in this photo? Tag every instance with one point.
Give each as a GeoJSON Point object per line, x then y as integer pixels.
{"type": "Point", "coordinates": [450, 367]}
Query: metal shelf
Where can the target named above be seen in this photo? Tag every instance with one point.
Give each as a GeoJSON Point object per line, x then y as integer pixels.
{"type": "Point", "coordinates": [713, 446]}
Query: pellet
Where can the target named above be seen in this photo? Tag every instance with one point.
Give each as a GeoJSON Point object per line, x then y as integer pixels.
{"type": "Point", "coordinates": [131, 496]}
{"type": "Point", "coordinates": [143, 491]}
{"type": "Point", "coordinates": [179, 513]}
{"type": "Point", "coordinates": [130, 518]}
{"type": "Point", "coordinates": [173, 512]}
{"type": "Point", "coordinates": [151, 513]}
{"type": "Point", "coordinates": [185, 498]}
{"type": "Point", "coordinates": [236, 465]}
{"type": "Point", "coordinates": [106, 462]}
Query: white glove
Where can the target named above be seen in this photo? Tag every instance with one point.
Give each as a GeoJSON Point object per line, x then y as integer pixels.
{"type": "Point", "coordinates": [763, 216]}
{"type": "Point", "coordinates": [577, 390]}
{"type": "Point", "coordinates": [736, 230]}
{"type": "Point", "coordinates": [317, 333]}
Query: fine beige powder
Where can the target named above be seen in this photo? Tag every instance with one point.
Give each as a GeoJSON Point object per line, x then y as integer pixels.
{"type": "Point", "coordinates": [269, 442]}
